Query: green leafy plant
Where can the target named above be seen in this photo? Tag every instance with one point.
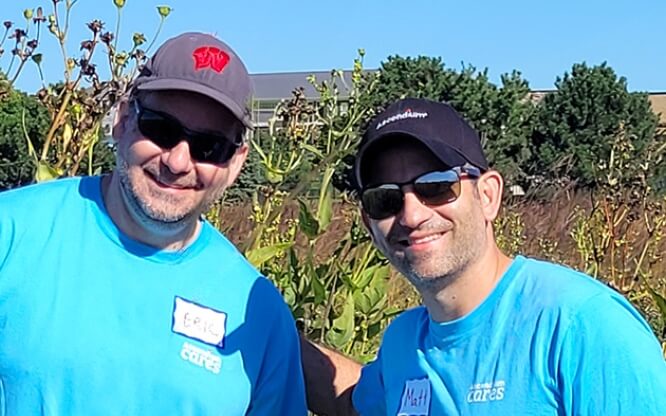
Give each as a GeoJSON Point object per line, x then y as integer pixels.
{"type": "Point", "coordinates": [619, 237]}
{"type": "Point", "coordinates": [78, 104]}
{"type": "Point", "coordinates": [338, 298]}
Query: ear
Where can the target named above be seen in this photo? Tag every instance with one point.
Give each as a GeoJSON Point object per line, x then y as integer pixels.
{"type": "Point", "coordinates": [121, 118]}
{"type": "Point", "coordinates": [491, 187]}
{"type": "Point", "coordinates": [236, 163]}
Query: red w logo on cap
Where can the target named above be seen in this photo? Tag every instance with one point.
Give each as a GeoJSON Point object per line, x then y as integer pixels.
{"type": "Point", "coordinates": [210, 57]}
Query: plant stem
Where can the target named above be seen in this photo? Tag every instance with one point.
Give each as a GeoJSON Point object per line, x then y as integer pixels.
{"type": "Point", "coordinates": [157, 32]}
{"type": "Point", "coordinates": [115, 42]}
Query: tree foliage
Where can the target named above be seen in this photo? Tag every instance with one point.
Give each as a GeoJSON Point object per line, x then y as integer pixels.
{"type": "Point", "coordinates": [16, 165]}
{"type": "Point", "coordinates": [502, 114]}
{"type": "Point", "coordinates": [580, 121]}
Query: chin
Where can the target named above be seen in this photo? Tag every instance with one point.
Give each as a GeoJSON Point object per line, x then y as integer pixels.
{"type": "Point", "coordinates": [170, 214]}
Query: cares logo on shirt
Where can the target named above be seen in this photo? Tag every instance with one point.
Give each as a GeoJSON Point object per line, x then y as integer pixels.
{"type": "Point", "coordinates": [415, 399]}
{"type": "Point", "coordinates": [201, 357]}
{"type": "Point", "coordinates": [202, 324]}
{"type": "Point", "coordinates": [486, 392]}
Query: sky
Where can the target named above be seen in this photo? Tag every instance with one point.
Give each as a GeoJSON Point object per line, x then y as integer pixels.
{"type": "Point", "coordinates": [541, 39]}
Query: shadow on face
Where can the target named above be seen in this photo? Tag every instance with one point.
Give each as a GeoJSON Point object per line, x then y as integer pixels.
{"type": "Point", "coordinates": [195, 111]}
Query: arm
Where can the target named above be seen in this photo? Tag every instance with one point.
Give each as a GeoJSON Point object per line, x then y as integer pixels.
{"type": "Point", "coordinates": [610, 362]}
{"type": "Point", "coordinates": [330, 379]}
{"type": "Point", "coordinates": [279, 387]}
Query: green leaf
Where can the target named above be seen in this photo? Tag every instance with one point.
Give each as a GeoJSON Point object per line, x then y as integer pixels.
{"type": "Point", "coordinates": [365, 277]}
{"type": "Point", "coordinates": [273, 176]}
{"type": "Point", "coordinates": [378, 272]}
{"type": "Point", "coordinates": [659, 300]}
{"type": "Point", "coordinates": [309, 224]}
{"type": "Point", "coordinates": [392, 311]}
{"type": "Point", "coordinates": [31, 148]}
{"type": "Point", "coordinates": [289, 296]}
{"type": "Point", "coordinates": [318, 289]}
{"type": "Point", "coordinates": [313, 149]}
{"type": "Point", "coordinates": [325, 206]}
{"type": "Point", "coordinates": [294, 265]}
{"type": "Point", "coordinates": [45, 172]}
{"type": "Point", "coordinates": [260, 255]}
{"type": "Point", "coordinates": [362, 302]}
{"type": "Point", "coordinates": [343, 326]}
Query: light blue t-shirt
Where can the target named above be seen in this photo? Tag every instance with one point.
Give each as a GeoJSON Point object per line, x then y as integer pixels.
{"type": "Point", "coordinates": [547, 341]}
{"type": "Point", "coordinates": [94, 323]}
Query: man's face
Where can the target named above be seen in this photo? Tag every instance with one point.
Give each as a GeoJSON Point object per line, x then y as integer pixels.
{"type": "Point", "coordinates": [429, 244]}
{"type": "Point", "coordinates": [167, 186]}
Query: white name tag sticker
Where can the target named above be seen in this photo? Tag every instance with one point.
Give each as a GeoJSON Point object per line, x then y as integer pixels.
{"type": "Point", "coordinates": [199, 322]}
{"type": "Point", "coordinates": [415, 398]}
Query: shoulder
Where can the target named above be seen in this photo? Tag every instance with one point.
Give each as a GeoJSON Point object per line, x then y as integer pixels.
{"type": "Point", "coordinates": [224, 257]}
{"type": "Point", "coordinates": [39, 196]}
{"type": "Point", "coordinates": [408, 324]}
{"type": "Point", "coordinates": [43, 203]}
{"type": "Point", "coordinates": [553, 285]}
{"type": "Point", "coordinates": [572, 300]}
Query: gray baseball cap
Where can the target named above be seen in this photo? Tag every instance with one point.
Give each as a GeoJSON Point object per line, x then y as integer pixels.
{"type": "Point", "coordinates": [203, 64]}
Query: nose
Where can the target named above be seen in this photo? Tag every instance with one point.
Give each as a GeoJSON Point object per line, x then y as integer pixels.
{"type": "Point", "coordinates": [178, 158]}
{"type": "Point", "coordinates": [414, 212]}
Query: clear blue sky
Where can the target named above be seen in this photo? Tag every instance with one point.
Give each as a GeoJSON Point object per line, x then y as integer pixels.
{"type": "Point", "coordinates": [542, 39]}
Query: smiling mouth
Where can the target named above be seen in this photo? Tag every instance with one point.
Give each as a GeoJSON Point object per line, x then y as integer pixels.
{"type": "Point", "coordinates": [426, 239]}
{"type": "Point", "coordinates": [413, 241]}
{"type": "Point", "coordinates": [170, 185]}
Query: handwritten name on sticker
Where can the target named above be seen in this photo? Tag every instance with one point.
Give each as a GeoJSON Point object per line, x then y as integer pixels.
{"type": "Point", "coordinates": [199, 322]}
{"type": "Point", "coordinates": [415, 398]}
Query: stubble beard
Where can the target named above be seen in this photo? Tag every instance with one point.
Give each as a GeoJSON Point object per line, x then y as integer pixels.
{"type": "Point", "coordinates": [434, 271]}
{"type": "Point", "coordinates": [165, 216]}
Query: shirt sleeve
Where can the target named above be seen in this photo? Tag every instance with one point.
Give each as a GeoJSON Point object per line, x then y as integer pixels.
{"type": "Point", "coordinates": [280, 389]}
{"type": "Point", "coordinates": [369, 396]}
{"type": "Point", "coordinates": [611, 362]}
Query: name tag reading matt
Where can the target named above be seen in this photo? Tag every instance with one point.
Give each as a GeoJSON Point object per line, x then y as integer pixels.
{"type": "Point", "coordinates": [199, 322]}
{"type": "Point", "coordinates": [415, 398]}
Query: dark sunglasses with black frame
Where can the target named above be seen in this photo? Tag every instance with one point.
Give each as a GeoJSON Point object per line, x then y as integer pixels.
{"type": "Point", "coordinates": [166, 131]}
{"type": "Point", "coordinates": [381, 201]}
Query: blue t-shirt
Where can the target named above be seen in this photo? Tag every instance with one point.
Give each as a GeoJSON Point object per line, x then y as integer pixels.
{"type": "Point", "coordinates": [547, 341]}
{"type": "Point", "coordinates": [94, 323]}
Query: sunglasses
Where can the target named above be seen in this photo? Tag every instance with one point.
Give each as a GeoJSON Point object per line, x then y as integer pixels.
{"type": "Point", "coordinates": [433, 188]}
{"type": "Point", "coordinates": [166, 131]}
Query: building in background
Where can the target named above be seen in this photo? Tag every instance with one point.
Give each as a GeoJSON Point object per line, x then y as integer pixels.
{"type": "Point", "coordinates": [271, 88]}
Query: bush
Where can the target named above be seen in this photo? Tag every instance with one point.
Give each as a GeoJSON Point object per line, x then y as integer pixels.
{"type": "Point", "coordinates": [578, 124]}
{"type": "Point", "coordinates": [16, 165]}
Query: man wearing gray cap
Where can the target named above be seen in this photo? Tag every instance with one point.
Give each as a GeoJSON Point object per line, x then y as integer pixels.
{"type": "Point", "coordinates": [116, 297]}
{"type": "Point", "coordinates": [495, 335]}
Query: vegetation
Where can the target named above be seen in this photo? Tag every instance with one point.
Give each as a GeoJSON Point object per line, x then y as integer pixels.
{"type": "Point", "coordinates": [589, 156]}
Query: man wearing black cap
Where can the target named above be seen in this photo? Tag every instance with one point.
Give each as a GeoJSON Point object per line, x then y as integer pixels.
{"type": "Point", "coordinates": [496, 336]}
{"type": "Point", "coordinates": [116, 297]}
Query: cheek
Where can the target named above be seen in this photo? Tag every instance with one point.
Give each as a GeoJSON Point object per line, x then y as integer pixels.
{"type": "Point", "coordinates": [138, 152]}
{"type": "Point", "coordinates": [212, 176]}
{"type": "Point", "coordinates": [379, 230]}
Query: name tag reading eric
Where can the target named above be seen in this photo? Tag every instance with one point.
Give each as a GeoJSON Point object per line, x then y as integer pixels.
{"type": "Point", "coordinates": [415, 399]}
{"type": "Point", "coordinates": [199, 322]}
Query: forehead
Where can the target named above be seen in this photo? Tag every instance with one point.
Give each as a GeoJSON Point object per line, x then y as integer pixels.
{"type": "Point", "coordinates": [397, 159]}
{"type": "Point", "coordinates": [194, 111]}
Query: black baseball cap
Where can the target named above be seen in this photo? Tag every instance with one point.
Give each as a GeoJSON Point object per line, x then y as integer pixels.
{"type": "Point", "coordinates": [437, 125]}
{"type": "Point", "coordinates": [200, 63]}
